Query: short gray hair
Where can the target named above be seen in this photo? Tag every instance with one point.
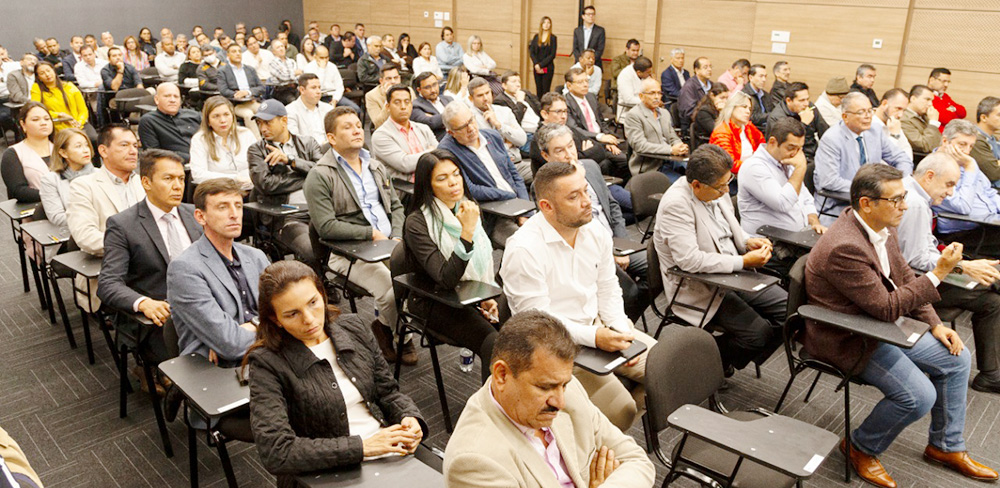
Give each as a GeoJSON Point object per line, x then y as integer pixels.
{"type": "Point", "coordinates": [451, 111]}
{"type": "Point", "coordinates": [864, 68]}
{"type": "Point", "coordinates": [675, 51]}
{"type": "Point", "coordinates": [937, 162]}
{"type": "Point", "coordinates": [851, 99]}
{"type": "Point", "coordinates": [372, 40]}
{"type": "Point", "coordinates": [960, 127]}
{"type": "Point", "coordinates": [547, 132]}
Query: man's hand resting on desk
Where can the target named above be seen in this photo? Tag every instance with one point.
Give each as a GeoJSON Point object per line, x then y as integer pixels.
{"type": "Point", "coordinates": [377, 235]}
{"type": "Point", "coordinates": [610, 340]}
{"type": "Point", "coordinates": [394, 439]}
{"type": "Point", "coordinates": [757, 258]}
{"type": "Point", "coordinates": [155, 310]}
{"type": "Point", "coordinates": [984, 271]}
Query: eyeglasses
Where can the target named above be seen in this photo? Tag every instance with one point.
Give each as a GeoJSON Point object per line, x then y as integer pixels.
{"type": "Point", "coordinates": [723, 188]}
{"type": "Point", "coordinates": [862, 113]}
{"type": "Point", "coordinates": [895, 201]}
{"type": "Point", "coordinates": [654, 93]}
{"type": "Point", "coordinates": [465, 126]}
{"type": "Point", "coordinates": [558, 112]}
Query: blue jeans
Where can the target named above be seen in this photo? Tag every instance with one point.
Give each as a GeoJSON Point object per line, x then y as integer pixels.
{"type": "Point", "coordinates": [910, 394]}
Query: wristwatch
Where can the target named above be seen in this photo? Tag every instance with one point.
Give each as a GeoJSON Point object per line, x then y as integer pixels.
{"type": "Point", "coordinates": [958, 269]}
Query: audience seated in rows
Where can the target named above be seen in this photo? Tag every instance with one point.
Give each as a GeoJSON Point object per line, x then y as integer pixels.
{"type": "Point", "coordinates": [351, 199]}
{"type": "Point", "coordinates": [782, 72]}
{"type": "Point", "coordinates": [425, 61]}
{"type": "Point", "coordinates": [856, 268]}
{"type": "Point", "coordinates": [946, 108]}
{"type": "Point", "coordinates": [304, 345]}
{"type": "Point", "coordinates": [632, 52]}
{"type": "Point", "coordinates": [864, 80]}
{"type": "Point", "coordinates": [630, 84]}
{"type": "Point", "coordinates": [400, 142]}
{"type": "Point", "coordinates": [510, 430]}
{"type": "Point", "coordinates": [371, 62]}
{"type": "Point", "coordinates": [697, 231]}
{"type": "Point", "coordinates": [20, 83]}
{"type": "Point", "coordinates": [705, 113]}
{"type": "Point", "coordinates": [525, 105]}
{"type": "Point", "coordinates": [692, 91]}
{"type": "Point", "coordinates": [736, 76]}
{"type": "Point", "coordinates": [449, 53]}
{"type": "Point", "coordinates": [476, 60]}
{"type": "Point", "coordinates": [974, 195]}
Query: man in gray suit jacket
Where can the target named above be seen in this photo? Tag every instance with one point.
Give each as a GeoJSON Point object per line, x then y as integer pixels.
{"type": "Point", "coordinates": [400, 143]}
{"type": "Point", "coordinates": [212, 286]}
{"type": "Point", "coordinates": [19, 82]}
{"type": "Point", "coordinates": [697, 231]}
{"type": "Point", "coordinates": [142, 240]}
{"type": "Point", "coordinates": [649, 130]}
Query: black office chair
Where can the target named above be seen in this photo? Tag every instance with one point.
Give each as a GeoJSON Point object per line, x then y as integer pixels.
{"type": "Point", "coordinates": [333, 280]}
{"type": "Point", "coordinates": [641, 186]}
{"type": "Point", "coordinates": [808, 179]}
{"type": "Point", "coordinates": [689, 371]}
{"type": "Point", "coordinates": [799, 360]}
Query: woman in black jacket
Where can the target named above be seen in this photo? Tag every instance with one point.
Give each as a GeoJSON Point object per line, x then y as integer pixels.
{"type": "Point", "coordinates": [705, 114]}
{"type": "Point", "coordinates": [446, 241]}
{"type": "Point", "coordinates": [321, 394]}
{"type": "Point", "coordinates": [543, 54]}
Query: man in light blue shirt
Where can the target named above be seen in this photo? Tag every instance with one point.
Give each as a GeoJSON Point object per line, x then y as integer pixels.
{"type": "Point", "coordinates": [847, 146]}
{"type": "Point", "coordinates": [449, 53]}
{"type": "Point", "coordinates": [933, 181]}
{"type": "Point", "coordinates": [772, 192]}
{"type": "Point", "coordinates": [974, 195]}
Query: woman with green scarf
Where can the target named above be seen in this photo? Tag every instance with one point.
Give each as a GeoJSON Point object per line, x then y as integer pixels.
{"type": "Point", "coordinates": [446, 241]}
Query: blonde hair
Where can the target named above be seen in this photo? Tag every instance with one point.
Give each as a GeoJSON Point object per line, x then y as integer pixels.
{"type": "Point", "coordinates": [735, 99]}
{"type": "Point", "coordinates": [206, 129]}
{"type": "Point", "coordinates": [455, 79]}
{"type": "Point", "coordinates": [57, 164]}
{"type": "Point", "coordinates": [544, 36]}
{"type": "Point", "coordinates": [474, 38]}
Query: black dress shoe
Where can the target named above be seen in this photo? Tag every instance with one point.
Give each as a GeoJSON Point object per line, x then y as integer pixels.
{"type": "Point", "coordinates": [984, 384]}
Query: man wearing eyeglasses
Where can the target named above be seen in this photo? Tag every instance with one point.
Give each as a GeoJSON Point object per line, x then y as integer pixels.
{"type": "Point", "coordinates": [849, 145]}
{"type": "Point", "coordinates": [697, 231]}
{"type": "Point", "coordinates": [649, 130]}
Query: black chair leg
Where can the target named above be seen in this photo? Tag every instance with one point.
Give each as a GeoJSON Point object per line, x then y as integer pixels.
{"type": "Point", "coordinates": [57, 299]}
{"type": "Point", "coordinates": [157, 410]}
{"type": "Point", "coordinates": [123, 379]}
{"type": "Point", "coordinates": [847, 430]}
{"type": "Point", "coordinates": [24, 267]}
{"type": "Point", "coordinates": [757, 368]}
{"type": "Point", "coordinates": [784, 392]}
{"type": "Point", "coordinates": [38, 285]}
{"type": "Point", "coordinates": [227, 464]}
{"type": "Point", "coordinates": [401, 333]}
{"type": "Point", "coordinates": [440, 386]}
{"type": "Point", "coordinates": [44, 273]}
{"type": "Point", "coordinates": [86, 336]}
{"type": "Point", "coordinates": [115, 355]}
{"type": "Point", "coordinates": [192, 454]}
{"type": "Point", "coordinates": [811, 388]}
{"type": "Point", "coordinates": [647, 431]}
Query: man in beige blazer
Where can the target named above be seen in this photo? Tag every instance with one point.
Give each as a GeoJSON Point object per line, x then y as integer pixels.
{"type": "Point", "coordinates": [697, 231]}
{"type": "Point", "coordinates": [532, 404]}
{"type": "Point", "coordinates": [649, 130]}
{"type": "Point", "coordinates": [399, 143]}
{"type": "Point", "coordinates": [105, 192]}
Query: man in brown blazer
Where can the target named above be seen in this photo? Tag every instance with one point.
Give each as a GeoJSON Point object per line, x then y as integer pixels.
{"type": "Point", "coordinates": [857, 268]}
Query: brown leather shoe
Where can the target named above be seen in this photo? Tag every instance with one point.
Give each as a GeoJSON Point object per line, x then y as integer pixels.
{"type": "Point", "coordinates": [868, 467]}
{"type": "Point", "coordinates": [409, 354]}
{"type": "Point", "coordinates": [384, 338]}
{"type": "Point", "coordinates": [961, 462]}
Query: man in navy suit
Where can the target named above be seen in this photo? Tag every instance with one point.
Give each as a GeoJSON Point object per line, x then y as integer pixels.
{"type": "Point", "coordinates": [489, 173]}
{"type": "Point", "coordinates": [241, 85]}
{"type": "Point", "coordinates": [212, 286]}
{"type": "Point", "coordinates": [588, 36]}
{"type": "Point", "coordinates": [429, 105]}
{"type": "Point", "coordinates": [141, 241]}
{"type": "Point", "coordinates": [674, 77]}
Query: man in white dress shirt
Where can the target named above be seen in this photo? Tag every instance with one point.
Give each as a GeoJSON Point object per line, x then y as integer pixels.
{"type": "Point", "coordinates": [561, 261]}
{"type": "Point", "coordinates": [305, 114]}
{"type": "Point", "coordinates": [630, 84]}
{"type": "Point", "coordinates": [169, 62]}
{"type": "Point", "coordinates": [502, 120]}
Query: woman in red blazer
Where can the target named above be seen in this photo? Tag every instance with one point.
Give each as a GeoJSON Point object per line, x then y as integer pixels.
{"type": "Point", "coordinates": [734, 128]}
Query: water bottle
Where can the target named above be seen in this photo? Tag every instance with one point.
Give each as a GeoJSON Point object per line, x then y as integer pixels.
{"type": "Point", "coordinates": [466, 359]}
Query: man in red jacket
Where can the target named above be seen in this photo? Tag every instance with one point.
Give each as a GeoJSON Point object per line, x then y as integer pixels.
{"type": "Point", "coordinates": [938, 82]}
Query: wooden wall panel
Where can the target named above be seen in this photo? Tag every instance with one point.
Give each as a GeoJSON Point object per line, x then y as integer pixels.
{"type": "Point", "coordinates": [974, 5]}
{"type": "Point", "coordinates": [901, 4]}
{"type": "Point", "coordinates": [854, 34]}
{"type": "Point", "coordinates": [977, 51]}
{"type": "Point", "coordinates": [710, 23]}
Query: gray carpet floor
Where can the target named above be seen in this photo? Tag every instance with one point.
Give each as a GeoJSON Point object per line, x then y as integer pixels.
{"type": "Point", "coordinates": [64, 412]}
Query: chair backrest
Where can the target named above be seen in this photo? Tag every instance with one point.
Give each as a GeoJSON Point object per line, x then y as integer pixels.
{"type": "Point", "coordinates": [321, 252]}
{"type": "Point", "coordinates": [170, 338]}
{"type": "Point", "coordinates": [150, 72]}
{"type": "Point", "coordinates": [654, 280]}
{"type": "Point", "coordinates": [808, 179]}
{"type": "Point", "coordinates": [143, 98]}
{"type": "Point", "coordinates": [685, 367]}
{"type": "Point", "coordinates": [736, 208]}
{"type": "Point", "coordinates": [643, 185]}
{"type": "Point", "coordinates": [797, 286]}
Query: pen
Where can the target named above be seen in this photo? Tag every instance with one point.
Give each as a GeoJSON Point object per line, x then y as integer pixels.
{"type": "Point", "coordinates": [292, 207]}
{"type": "Point", "coordinates": [54, 238]}
{"type": "Point", "coordinates": [28, 211]}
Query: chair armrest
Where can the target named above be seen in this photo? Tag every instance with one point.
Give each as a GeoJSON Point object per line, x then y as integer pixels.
{"type": "Point", "coordinates": [466, 293]}
{"type": "Point", "coordinates": [903, 332]}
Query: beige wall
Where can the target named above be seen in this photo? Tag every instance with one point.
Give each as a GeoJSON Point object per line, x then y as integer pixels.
{"type": "Point", "coordinates": [827, 37]}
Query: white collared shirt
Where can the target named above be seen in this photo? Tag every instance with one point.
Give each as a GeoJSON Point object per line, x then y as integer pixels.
{"type": "Point", "coordinates": [163, 225]}
{"type": "Point", "coordinates": [491, 165]}
{"type": "Point", "coordinates": [89, 77]}
{"type": "Point", "coordinates": [577, 284]}
{"type": "Point", "coordinates": [878, 239]}
{"type": "Point", "coordinates": [308, 123]}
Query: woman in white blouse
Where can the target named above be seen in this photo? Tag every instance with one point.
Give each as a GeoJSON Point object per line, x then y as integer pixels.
{"type": "Point", "coordinates": [476, 59]}
{"type": "Point", "coordinates": [219, 148]}
{"type": "Point", "coordinates": [426, 61]}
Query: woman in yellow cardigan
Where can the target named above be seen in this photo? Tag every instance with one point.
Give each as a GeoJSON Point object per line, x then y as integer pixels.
{"type": "Point", "coordinates": [63, 100]}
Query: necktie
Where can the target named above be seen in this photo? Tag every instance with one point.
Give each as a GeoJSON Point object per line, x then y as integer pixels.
{"type": "Point", "coordinates": [861, 147]}
{"type": "Point", "coordinates": [587, 116]}
{"type": "Point", "coordinates": [174, 244]}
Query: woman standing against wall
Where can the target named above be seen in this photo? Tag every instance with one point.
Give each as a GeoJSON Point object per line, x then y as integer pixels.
{"type": "Point", "coordinates": [543, 54]}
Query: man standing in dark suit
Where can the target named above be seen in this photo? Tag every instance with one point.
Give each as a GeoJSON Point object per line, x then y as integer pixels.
{"type": "Point", "coordinates": [140, 241]}
{"type": "Point", "coordinates": [588, 36]}
{"type": "Point", "coordinates": [429, 104]}
{"type": "Point", "coordinates": [674, 77]}
{"type": "Point", "coordinates": [857, 268]}
{"type": "Point", "coordinates": [585, 119]}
